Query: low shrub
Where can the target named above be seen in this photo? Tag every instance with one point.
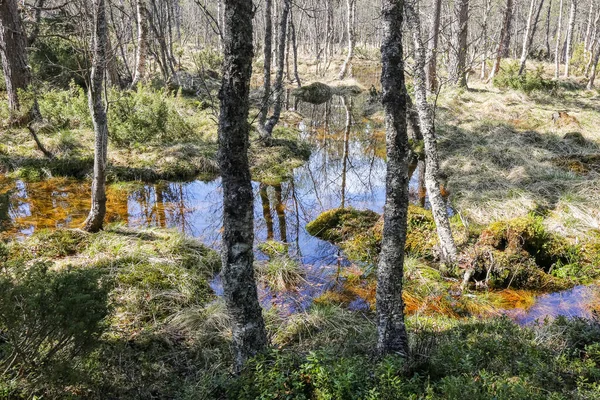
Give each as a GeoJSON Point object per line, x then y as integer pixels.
{"type": "Point", "coordinates": [527, 82]}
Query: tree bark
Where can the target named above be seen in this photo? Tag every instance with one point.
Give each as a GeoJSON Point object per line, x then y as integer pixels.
{"type": "Point", "coordinates": [432, 163]}
{"type": "Point", "coordinates": [267, 52]}
{"type": "Point", "coordinates": [557, 48]}
{"type": "Point", "coordinates": [432, 84]}
{"type": "Point", "coordinates": [572, 15]}
{"type": "Point", "coordinates": [532, 21]}
{"type": "Point", "coordinates": [351, 6]}
{"type": "Point", "coordinates": [504, 43]}
{"type": "Point", "coordinates": [239, 284]}
{"type": "Point", "coordinates": [392, 337]}
{"type": "Point", "coordinates": [458, 53]}
{"type": "Point", "coordinates": [142, 43]}
{"type": "Point", "coordinates": [13, 47]}
{"type": "Point", "coordinates": [95, 219]}
{"type": "Point", "coordinates": [266, 130]}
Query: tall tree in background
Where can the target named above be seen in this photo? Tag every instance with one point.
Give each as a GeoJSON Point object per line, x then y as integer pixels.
{"type": "Point", "coordinates": [433, 47]}
{"type": "Point", "coordinates": [432, 163]}
{"type": "Point", "coordinates": [350, 22]}
{"type": "Point", "coordinates": [266, 126]}
{"type": "Point", "coordinates": [267, 53]}
{"type": "Point", "coordinates": [504, 41]}
{"type": "Point", "coordinates": [13, 47]}
{"type": "Point", "coordinates": [535, 9]}
{"type": "Point", "coordinates": [458, 47]}
{"type": "Point", "coordinates": [570, 30]}
{"type": "Point", "coordinates": [95, 219]}
{"type": "Point", "coordinates": [142, 41]}
{"type": "Point", "coordinates": [392, 337]}
{"type": "Point", "coordinates": [558, 38]}
{"type": "Point", "coordinates": [239, 284]}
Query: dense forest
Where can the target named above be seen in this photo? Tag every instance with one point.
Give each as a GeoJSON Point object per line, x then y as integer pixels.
{"type": "Point", "coordinates": [308, 199]}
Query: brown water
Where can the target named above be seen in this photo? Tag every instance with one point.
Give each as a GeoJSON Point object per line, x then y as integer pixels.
{"type": "Point", "coordinates": [347, 168]}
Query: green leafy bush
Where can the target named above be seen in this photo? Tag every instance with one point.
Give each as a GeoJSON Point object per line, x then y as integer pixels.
{"type": "Point", "coordinates": [47, 317]}
{"type": "Point", "coordinates": [527, 82]}
{"type": "Point", "coordinates": [146, 116]}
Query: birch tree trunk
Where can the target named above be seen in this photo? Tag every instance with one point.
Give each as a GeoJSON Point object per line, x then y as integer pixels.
{"type": "Point", "coordinates": [432, 163]}
{"type": "Point", "coordinates": [239, 284]}
{"type": "Point", "coordinates": [266, 130]}
{"type": "Point", "coordinates": [572, 15]}
{"type": "Point", "coordinates": [392, 337]}
{"type": "Point", "coordinates": [458, 52]}
{"type": "Point", "coordinates": [142, 43]}
{"type": "Point", "coordinates": [267, 52]}
{"type": "Point", "coordinates": [13, 41]}
{"type": "Point", "coordinates": [557, 48]}
{"type": "Point", "coordinates": [351, 5]}
{"type": "Point", "coordinates": [532, 21]}
{"type": "Point", "coordinates": [433, 47]}
{"type": "Point", "coordinates": [95, 219]}
{"type": "Point", "coordinates": [504, 42]}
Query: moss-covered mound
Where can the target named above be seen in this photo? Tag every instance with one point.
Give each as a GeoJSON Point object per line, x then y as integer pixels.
{"type": "Point", "coordinates": [274, 163]}
{"type": "Point", "coordinates": [315, 93]}
{"type": "Point", "coordinates": [521, 253]}
{"type": "Point", "coordinates": [157, 279]}
{"type": "Point", "coordinates": [359, 233]}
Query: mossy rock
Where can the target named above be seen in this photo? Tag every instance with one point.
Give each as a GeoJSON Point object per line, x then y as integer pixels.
{"type": "Point", "coordinates": [315, 93]}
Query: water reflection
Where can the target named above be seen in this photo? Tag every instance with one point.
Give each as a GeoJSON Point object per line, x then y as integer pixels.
{"type": "Point", "coordinates": [581, 301]}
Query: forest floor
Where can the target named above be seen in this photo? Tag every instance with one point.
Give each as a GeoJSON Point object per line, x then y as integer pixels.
{"type": "Point", "coordinates": [524, 188]}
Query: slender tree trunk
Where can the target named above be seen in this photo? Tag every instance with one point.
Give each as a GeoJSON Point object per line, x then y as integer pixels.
{"type": "Point", "coordinates": [267, 52]}
{"type": "Point", "coordinates": [484, 31]}
{"type": "Point", "coordinates": [142, 42]}
{"type": "Point", "coordinates": [432, 163]}
{"type": "Point", "coordinates": [433, 47]}
{"type": "Point", "coordinates": [95, 219]}
{"type": "Point", "coordinates": [596, 58]}
{"type": "Point", "coordinates": [504, 42]}
{"type": "Point", "coordinates": [295, 49]}
{"type": "Point", "coordinates": [239, 284]}
{"type": "Point", "coordinates": [351, 5]}
{"type": "Point", "coordinates": [572, 15]}
{"type": "Point", "coordinates": [392, 337]}
{"type": "Point", "coordinates": [557, 48]}
{"type": "Point", "coordinates": [594, 43]}
{"type": "Point", "coordinates": [266, 130]}
{"type": "Point", "coordinates": [548, 51]}
{"type": "Point", "coordinates": [532, 21]}
{"type": "Point", "coordinates": [458, 54]}
{"type": "Point", "coordinates": [588, 31]}
{"type": "Point", "coordinates": [13, 47]}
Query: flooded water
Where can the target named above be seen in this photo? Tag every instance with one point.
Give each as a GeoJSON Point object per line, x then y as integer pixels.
{"type": "Point", "coordinates": [346, 168]}
{"type": "Point", "coordinates": [581, 301]}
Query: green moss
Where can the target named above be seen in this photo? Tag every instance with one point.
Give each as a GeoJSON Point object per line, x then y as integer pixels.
{"type": "Point", "coordinates": [341, 224]}
{"type": "Point", "coordinates": [280, 273]}
{"type": "Point", "coordinates": [273, 248]}
{"type": "Point", "coordinates": [51, 244]}
{"type": "Point", "coordinates": [275, 163]}
{"type": "Point", "coordinates": [315, 93]}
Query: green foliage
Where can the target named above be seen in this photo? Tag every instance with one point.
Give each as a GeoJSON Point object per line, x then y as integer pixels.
{"type": "Point", "coordinates": [527, 82]}
{"type": "Point", "coordinates": [146, 116]}
{"type": "Point", "coordinates": [207, 59]}
{"type": "Point", "coordinates": [66, 108]}
{"type": "Point", "coordinates": [48, 317]}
